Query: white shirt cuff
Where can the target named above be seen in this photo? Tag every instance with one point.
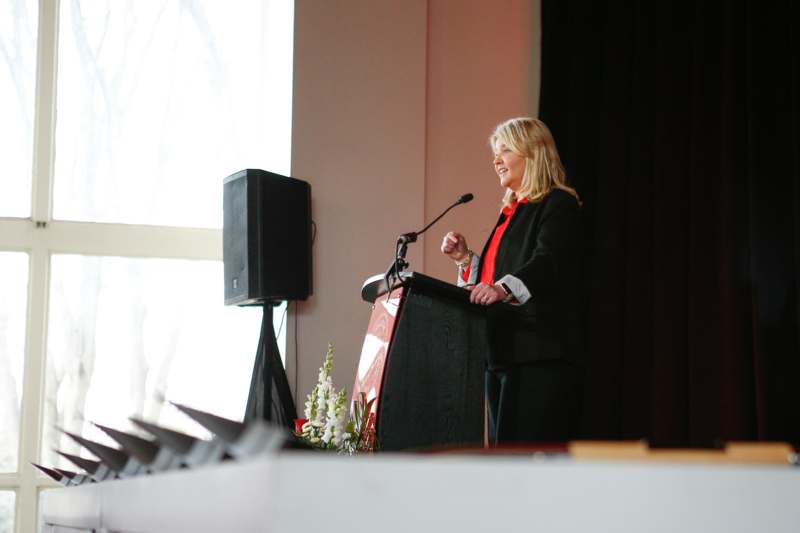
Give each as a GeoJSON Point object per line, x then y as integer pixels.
{"type": "Point", "coordinates": [517, 288]}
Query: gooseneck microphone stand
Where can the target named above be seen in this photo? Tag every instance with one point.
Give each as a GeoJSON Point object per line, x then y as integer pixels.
{"type": "Point", "coordinates": [399, 263]}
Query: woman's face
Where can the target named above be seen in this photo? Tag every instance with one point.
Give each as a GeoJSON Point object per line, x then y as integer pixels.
{"type": "Point", "coordinates": [509, 166]}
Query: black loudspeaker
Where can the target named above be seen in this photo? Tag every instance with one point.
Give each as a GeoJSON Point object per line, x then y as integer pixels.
{"type": "Point", "coordinates": [266, 238]}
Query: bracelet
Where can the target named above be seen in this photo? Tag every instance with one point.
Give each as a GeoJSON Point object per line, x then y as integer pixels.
{"type": "Point", "coordinates": [467, 260]}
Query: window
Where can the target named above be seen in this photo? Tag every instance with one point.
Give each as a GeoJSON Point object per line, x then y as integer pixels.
{"type": "Point", "coordinates": [111, 209]}
{"type": "Point", "coordinates": [7, 500]}
{"type": "Point", "coordinates": [13, 301]}
{"type": "Point", "coordinates": [18, 27]}
{"type": "Point", "coordinates": [159, 100]}
{"type": "Point", "coordinates": [171, 339]}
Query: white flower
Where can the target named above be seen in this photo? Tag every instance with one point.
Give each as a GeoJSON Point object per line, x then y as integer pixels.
{"type": "Point", "coordinates": [326, 436]}
{"type": "Point", "coordinates": [329, 423]}
{"type": "Point", "coordinates": [337, 418]}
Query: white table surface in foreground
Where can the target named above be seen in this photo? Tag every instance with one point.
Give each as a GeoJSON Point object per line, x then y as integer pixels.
{"type": "Point", "coordinates": [400, 493]}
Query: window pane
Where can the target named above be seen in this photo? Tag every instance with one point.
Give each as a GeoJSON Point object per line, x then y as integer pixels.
{"type": "Point", "coordinates": [40, 525]}
{"type": "Point", "coordinates": [13, 311]}
{"type": "Point", "coordinates": [125, 333]}
{"type": "Point", "coordinates": [159, 101]}
{"type": "Point", "coordinates": [7, 502]}
{"type": "Point", "coordinates": [18, 26]}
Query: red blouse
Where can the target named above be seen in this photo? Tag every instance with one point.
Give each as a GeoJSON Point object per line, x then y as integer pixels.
{"type": "Point", "coordinates": [487, 272]}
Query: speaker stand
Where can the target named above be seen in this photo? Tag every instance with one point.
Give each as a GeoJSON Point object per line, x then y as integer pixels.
{"type": "Point", "coordinates": [270, 397]}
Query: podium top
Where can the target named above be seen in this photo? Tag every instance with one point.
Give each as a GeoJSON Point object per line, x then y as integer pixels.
{"type": "Point", "coordinates": [375, 287]}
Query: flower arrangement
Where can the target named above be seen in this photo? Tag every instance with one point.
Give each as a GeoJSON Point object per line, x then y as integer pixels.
{"type": "Point", "coordinates": [328, 425]}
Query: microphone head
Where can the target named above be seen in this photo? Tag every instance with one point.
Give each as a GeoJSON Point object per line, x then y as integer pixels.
{"type": "Point", "coordinates": [466, 198]}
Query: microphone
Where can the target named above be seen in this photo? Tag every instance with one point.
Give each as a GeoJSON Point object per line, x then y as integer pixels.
{"type": "Point", "coordinates": [399, 263]}
{"type": "Point", "coordinates": [406, 238]}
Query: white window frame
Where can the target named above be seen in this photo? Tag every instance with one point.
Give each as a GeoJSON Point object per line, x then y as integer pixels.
{"type": "Point", "coordinates": [40, 236]}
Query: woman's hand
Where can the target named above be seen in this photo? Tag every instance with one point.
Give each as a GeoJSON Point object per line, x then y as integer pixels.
{"type": "Point", "coordinates": [483, 294]}
{"type": "Point", "coordinates": [454, 246]}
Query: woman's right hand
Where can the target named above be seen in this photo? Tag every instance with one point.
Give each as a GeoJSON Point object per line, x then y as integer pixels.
{"type": "Point", "coordinates": [454, 246]}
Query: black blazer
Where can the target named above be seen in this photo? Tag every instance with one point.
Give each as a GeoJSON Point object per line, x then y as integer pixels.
{"type": "Point", "coordinates": [543, 247]}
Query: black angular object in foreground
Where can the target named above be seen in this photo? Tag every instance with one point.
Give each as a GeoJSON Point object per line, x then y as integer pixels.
{"type": "Point", "coordinates": [64, 477]}
{"type": "Point", "coordinates": [89, 465]}
{"type": "Point", "coordinates": [143, 450]}
{"type": "Point", "coordinates": [154, 456]}
{"type": "Point", "coordinates": [53, 474]}
{"type": "Point", "coordinates": [224, 428]}
{"type": "Point", "coordinates": [178, 442]}
{"type": "Point", "coordinates": [117, 460]}
{"type": "Point", "coordinates": [74, 478]}
{"type": "Point", "coordinates": [242, 440]}
{"type": "Point", "coordinates": [96, 469]}
{"type": "Point", "coordinates": [169, 449]}
{"type": "Point", "coordinates": [189, 451]}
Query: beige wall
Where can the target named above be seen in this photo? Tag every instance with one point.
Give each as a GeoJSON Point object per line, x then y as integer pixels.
{"type": "Point", "coordinates": [478, 63]}
{"type": "Point", "coordinates": [393, 102]}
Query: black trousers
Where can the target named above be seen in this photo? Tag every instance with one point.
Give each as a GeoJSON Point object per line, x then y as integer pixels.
{"type": "Point", "coordinates": [534, 402]}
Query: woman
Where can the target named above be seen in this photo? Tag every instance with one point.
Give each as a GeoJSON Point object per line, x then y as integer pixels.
{"type": "Point", "coordinates": [532, 259]}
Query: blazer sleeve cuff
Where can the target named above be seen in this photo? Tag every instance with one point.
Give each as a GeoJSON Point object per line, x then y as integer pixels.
{"type": "Point", "coordinates": [518, 289]}
{"type": "Point", "coordinates": [472, 279]}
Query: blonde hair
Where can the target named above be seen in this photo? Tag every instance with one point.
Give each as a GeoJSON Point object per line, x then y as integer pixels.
{"type": "Point", "coordinates": [531, 139]}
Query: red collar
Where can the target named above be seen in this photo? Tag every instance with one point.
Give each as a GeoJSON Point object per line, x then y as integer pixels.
{"type": "Point", "coordinates": [509, 209]}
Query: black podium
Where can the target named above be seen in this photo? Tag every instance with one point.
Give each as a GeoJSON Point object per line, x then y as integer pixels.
{"type": "Point", "coordinates": [424, 360]}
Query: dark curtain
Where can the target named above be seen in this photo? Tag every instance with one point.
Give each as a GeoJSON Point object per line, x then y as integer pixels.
{"type": "Point", "coordinates": [679, 124]}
